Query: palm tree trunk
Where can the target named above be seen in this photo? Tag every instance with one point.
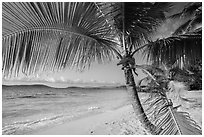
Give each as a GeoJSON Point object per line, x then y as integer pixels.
{"type": "Point", "coordinates": [138, 109]}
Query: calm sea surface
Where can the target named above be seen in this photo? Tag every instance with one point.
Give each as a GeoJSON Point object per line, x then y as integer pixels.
{"type": "Point", "coordinates": [30, 108]}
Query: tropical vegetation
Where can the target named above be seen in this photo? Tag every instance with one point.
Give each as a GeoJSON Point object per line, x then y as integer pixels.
{"type": "Point", "coordinates": [160, 106]}
{"type": "Point", "coordinates": [183, 48]}
{"type": "Point", "coordinates": [177, 49]}
{"type": "Point", "coordinates": [51, 36]}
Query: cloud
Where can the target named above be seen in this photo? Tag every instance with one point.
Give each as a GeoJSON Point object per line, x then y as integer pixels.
{"type": "Point", "coordinates": [78, 80]}
{"type": "Point", "coordinates": [62, 79]}
{"type": "Point", "coordinates": [50, 79]}
{"type": "Point", "coordinates": [93, 81]}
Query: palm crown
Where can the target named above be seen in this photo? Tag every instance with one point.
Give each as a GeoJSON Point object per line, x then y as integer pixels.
{"type": "Point", "coordinates": [52, 36]}
{"type": "Point", "coordinates": [134, 21]}
{"type": "Point", "coordinates": [184, 46]}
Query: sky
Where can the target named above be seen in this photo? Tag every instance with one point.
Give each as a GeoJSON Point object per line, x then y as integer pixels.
{"type": "Point", "coordinates": [100, 73]}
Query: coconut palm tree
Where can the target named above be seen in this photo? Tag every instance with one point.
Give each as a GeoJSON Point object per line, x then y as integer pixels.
{"type": "Point", "coordinates": [52, 36]}
{"type": "Point", "coordinates": [134, 23]}
{"type": "Point", "coordinates": [184, 46]}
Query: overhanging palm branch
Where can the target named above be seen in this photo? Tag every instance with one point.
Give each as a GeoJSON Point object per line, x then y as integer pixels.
{"type": "Point", "coordinates": [190, 25]}
{"type": "Point", "coordinates": [173, 122]}
{"type": "Point", "coordinates": [184, 46]}
{"type": "Point", "coordinates": [180, 50]}
{"type": "Point", "coordinates": [193, 13]}
{"type": "Point", "coordinates": [136, 21]}
{"type": "Point", "coordinates": [161, 112]}
{"type": "Point", "coordinates": [162, 75]}
{"type": "Point", "coordinates": [51, 36]}
{"type": "Point", "coordinates": [188, 11]}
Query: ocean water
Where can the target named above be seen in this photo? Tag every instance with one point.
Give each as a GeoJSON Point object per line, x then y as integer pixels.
{"type": "Point", "coordinates": [28, 108]}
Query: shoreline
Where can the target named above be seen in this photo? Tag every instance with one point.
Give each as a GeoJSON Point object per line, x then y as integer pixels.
{"type": "Point", "coordinates": [120, 121]}
{"type": "Point", "coordinates": [94, 113]}
{"type": "Point", "coordinates": [113, 122]}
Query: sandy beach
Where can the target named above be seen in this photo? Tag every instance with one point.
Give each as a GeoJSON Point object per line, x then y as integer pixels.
{"type": "Point", "coordinates": [115, 122]}
{"type": "Point", "coordinates": [101, 68]}
{"type": "Point", "coordinates": [121, 121]}
{"type": "Point", "coordinates": [79, 111]}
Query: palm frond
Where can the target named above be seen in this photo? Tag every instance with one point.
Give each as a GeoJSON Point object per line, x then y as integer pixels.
{"type": "Point", "coordinates": [181, 50]}
{"type": "Point", "coordinates": [145, 79]}
{"type": "Point", "coordinates": [196, 22]}
{"type": "Point", "coordinates": [182, 28]}
{"type": "Point", "coordinates": [153, 70]}
{"type": "Point", "coordinates": [189, 25]}
{"type": "Point", "coordinates": [50, 36]}
{"type": "Point", "coordinates": [193, 13]}
{"type": "Point", "coordinates": [175, 16]}
{"type": "Point", "coordinates": [161, 112]}
{"type": "Point", "coordinates": [140, 19]}
{"type": "Point", "coordinates": [189, 10]}
{"type": "Point", "coordinates": [167, 119]}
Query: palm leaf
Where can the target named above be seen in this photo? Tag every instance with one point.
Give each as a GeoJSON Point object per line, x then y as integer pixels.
{"type": "Point", "coordinates": [189, 25]}
{"type": "Point", "coordinates": [165, 117]}
{"type": "Point", "coordinates": [182, 28]}
{"type": "Point", "coordinates": [169, 121]}
{"type": "Point", "coordinates": [44, 36]}
{"type": "Point", "coordinates": [182, 49]}
{"type": "Point", "coordinates": [140, 19]}
{"type": "Point", "coordinates": [144, 80]}
{"type": "Point", "coordinates": [193, 13]}
{"type": "Point", "coordinates": [153, 70]}
{"type": "Point", "coordinates": [188, 11]}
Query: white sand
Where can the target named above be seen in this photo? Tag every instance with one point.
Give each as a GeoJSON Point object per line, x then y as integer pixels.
{"type": "Point", "coordinates": [115, 122]}
{"type": "Point", "coordinates": [121, 121]}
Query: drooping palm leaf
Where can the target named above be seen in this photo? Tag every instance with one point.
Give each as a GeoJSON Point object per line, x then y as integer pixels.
{"type": "Point", "coordinates": [182, 28]}
{"type": "Point", "coordinates": [181, 49]}
{"type": "Point", "coordinates": [193, 13]}
{"type": "Point", "coordinates": [169, 119]}
{"type": "Point", "coordinates": [184, 46]}
{"type": "Point", "coordinates": [155, 76]}
{"type": "Point", "coordinates": [152, 69]}
{"type": "Point", "coordinates": [135, 20]}
{"type": "Point", "coordinates": [166, 118]}
{"type": "Point", "coordinates": [48, 36]}
{"type": "Point", "coordinates": [189, 25]}
{"type": "Point", "coordinates": [189, 10]}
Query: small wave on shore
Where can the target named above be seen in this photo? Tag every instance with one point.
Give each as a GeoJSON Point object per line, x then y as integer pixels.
{"type": "Point", "coordinates": [27, 109]}
{"type": "Point", "coordinates": [21, 127]}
